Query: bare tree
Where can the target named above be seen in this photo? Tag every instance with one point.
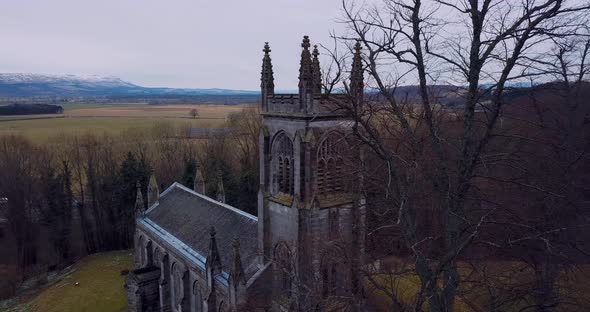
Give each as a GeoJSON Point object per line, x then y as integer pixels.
{"type": "Point", "coordinates": [437, 162]}
{"type": "Point", "coordinates": [194, 113]}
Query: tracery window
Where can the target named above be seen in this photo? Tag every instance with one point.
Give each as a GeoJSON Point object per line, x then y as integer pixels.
{"type": "Point", "coordinates": [330, 162]}
{"type": "Point", "coordinates": [282, 153]}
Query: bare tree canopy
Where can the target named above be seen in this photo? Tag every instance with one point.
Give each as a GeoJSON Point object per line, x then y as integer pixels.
{"type": "Point", "coordinates": [474, 169]}
{"type": "Point", "coordinates": [194, 113]}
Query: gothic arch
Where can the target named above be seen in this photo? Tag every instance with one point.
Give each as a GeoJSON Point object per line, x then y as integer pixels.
{"type": "Point", "coordinates": [330, 163]}
{"type": "Point", "coordinates": [282, 163]}
{"type": "Point", "coordinates": [198, 296]}
{"type": "Point", "coordinates": [176, 280]}
{"type": "Point", "coordinates": [165, 284]}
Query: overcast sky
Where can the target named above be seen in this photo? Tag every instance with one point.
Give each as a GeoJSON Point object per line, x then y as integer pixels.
{"type": "Point", "coordinates": [164, 43]}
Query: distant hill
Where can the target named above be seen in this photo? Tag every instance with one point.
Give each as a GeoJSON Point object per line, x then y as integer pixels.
{"type": "Point", "coordinates": [18, 85]}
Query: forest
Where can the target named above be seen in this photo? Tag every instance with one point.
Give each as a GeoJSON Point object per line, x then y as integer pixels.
{"type": "Point", "coordinates": [30, 109]}
{"type": "Point", "coordinates": [479, 201]}
{"type": "Point", "coordinates": [76, 196]}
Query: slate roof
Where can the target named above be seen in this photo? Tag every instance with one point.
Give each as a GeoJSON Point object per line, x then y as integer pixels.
{"type": "Point", "coordinates": [188, 216]}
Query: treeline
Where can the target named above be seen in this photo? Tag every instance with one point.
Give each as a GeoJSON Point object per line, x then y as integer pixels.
{"type": "Point", "coordinates": [30, 109]}
{"type": "Point", "coordinates": [76, 196]}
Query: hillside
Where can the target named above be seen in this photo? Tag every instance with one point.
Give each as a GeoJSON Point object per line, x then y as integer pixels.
{"type": "Point", "coordinates": [100, 287]}
{"type": "Point", "coordinates": [19, 85]}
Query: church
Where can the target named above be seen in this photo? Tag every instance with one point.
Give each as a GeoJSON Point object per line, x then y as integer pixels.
{"type": "Point", "coordinates": [305, 249]}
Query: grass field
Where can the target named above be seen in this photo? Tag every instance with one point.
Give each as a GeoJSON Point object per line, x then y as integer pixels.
{"type": "Point", "coordinates": [113, 119]}
{"type": "Point", "coordinates": [100, 287]}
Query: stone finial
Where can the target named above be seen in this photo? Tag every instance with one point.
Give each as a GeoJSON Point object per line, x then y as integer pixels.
{"type": "Point", "coordinates": [153, 191]}
{"type": "Point", "coordinates": [267, 84]}
{"type": "Point", "coordinates": [305, 70]}
{"type": "Point", "coordinates": [199, 182]}
{"type": "Point", "coordinates": [237, 279]}
{"type": "Point", "coordinates": [305, 44]}
{"type": "Point", "coordinates": [237, 270]}
{"type": "Point", "coordinates": [220, 189]}
{"type": "Point", "coordinates": [266, 49]}
{"type": "Point", "coordinates": [357, 85]}
{"type": "Point", "coordinates": [316, 71]}
{"type": "Point", "coordinates": [213, 262]}
{"type": "Point", "coordinates": [139, 204]}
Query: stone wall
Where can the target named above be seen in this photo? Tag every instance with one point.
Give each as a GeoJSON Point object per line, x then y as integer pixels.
{"type": "Point", "coordinates": [143, 290]}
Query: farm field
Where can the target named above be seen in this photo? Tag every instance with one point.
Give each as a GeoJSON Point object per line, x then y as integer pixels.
{"type": "Point", "coordinates": [79, 119]}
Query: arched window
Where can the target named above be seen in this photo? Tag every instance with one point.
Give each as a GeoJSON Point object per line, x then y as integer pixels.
{"type": "Point", "coordinates": [141, 250]}
{"type": "Point", "coordinates": [176, 284]}
{"type": "Point", "coordinates": [330, 162]}
{"type": "Point", "coordinates": [198, 297]}
{"type": "Point", "coordinates": [282, 159]}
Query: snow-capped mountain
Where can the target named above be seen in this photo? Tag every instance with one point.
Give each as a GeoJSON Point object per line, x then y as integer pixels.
{"type": "Point", "coordinates": [37, 85]}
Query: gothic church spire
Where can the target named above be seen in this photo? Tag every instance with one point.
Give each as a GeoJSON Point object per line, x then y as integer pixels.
{"type": "Point", "coordinates": [220, 189]}
{"type": "Point", "coordinates": [316, 71]}
{"type": "Point", "coordinates": [267, 84]}
{"type": "Point", "coordinates": [305, 74]}
{"type": "Point", "coordinates": [357, 85]}
{"type": "Point", "coordinates": [139, 204]}
{"type": "Point", "coordinates": [199, 182]}
{"type": "Point", "coordinates": [213, 261]}
{"type": "Point", "coordinates": [153, 191]}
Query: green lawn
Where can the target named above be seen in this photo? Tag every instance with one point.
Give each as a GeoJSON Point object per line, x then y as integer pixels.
{"type": "Point", "coordinates": [100, 286]}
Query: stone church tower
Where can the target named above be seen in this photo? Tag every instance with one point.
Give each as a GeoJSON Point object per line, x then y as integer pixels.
{"type": "Point", "coordinates": [311, 217]}
{"type": "Point", "coordinates": [304, 250]}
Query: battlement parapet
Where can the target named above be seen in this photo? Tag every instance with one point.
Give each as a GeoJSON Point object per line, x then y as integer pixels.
{"type": "Point", "coordinates": [291, 104]}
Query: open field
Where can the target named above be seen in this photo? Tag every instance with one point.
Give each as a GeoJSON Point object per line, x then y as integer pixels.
{"type": "Point", "coordinates": [100, 287]}
{"type": "Point", "coordinates": [80, 119]}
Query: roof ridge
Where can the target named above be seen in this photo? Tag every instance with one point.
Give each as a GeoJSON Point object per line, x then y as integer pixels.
{"type": "Point", "coordinates": [188, 190]}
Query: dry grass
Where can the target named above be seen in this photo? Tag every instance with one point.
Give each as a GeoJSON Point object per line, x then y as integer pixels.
{"type": "Point", "coordinates": [79, 119]}
{"type": "Point", "coordinates": [155, 111]}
